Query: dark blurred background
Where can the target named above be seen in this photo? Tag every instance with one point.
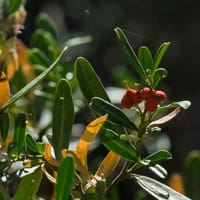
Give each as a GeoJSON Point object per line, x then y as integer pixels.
{"type": "Point", "coordinates": [145, 22]}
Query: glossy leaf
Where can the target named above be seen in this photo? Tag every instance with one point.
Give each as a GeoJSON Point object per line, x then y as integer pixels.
{"type": "Point", "coordinates": [158, 170]}
{"type": "Point", "coordinates": [129, 52]}
{"type": "Point", "coordinates": [159, 156]}
{"type": "Point", "coordinates": [191, 175]}
{"type": "Point", "coordinates": [113, 142]}
{"type": "Point", "coordinates": [44, 22]}
{"type": "Point", "coordinates": [63, 117]}
{"type": "Point", "coordinates": [5, 90]}
{"type": "Point", "coordinates": [89, 82]}
{"type": "Point", "coordinates": [159, 55]}
{"type": "Point", "coordinates": [20, 132]}
{"type": "Point", "coordinates": [34, 82]}
{"type": "Point", "coordinates": [157, 189]}
{"type": "Point", "coordinates": [29, 186]}
{"type": "Point", "coordinates": [115, 115]}
{"type": "Point", "coordinates": [65, 178]}
{"type": "Point", "coordinates": [145, 58]}
{"type": "Point", "coordinates": [109, 163]}
{"type": "Point", "coordinates": [33, 145]}
{"type": "Point", "coordinates": [4, 126]}
{"type": "Point", "coordinates": [87, 138]}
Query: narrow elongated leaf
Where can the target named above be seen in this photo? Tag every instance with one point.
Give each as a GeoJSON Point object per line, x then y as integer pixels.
{"type": "Point", "coordinates": [159, 55]}
{"type": "Point", "coordinates": [87, 138]}
{"type": "Point", "coordinates": [29, 186]}
{"type": "Point", "coordinates": [158, 170]}
{"type": "Point", "coordinates": [159, 156]}
{"type": "Point", "coordinates": [157, 189]}
{"type": "Point", "coordinates": [109, 163]}
{"type": "Point", "coordinates": [4, 126]}
{"type": "Point", "coordinates": [33, 145]}
{"type": "Point", "coordinates": [63, 117]}
{"type": "Point", "coordinates": [5, 90]}
{"type": "Point", "coordinates": [145, 58]}
{"type": "Point", "coordinates": [20, 132]}
{"type": "Point", "coordinates": [89, 82]}
{"type": "Point", "coordinates": [14, 5]}
{"type": "Point", "coordinates": [115, 115]}
{"type": "Point", "coordinates": [112, 141]}
{"type": "Point", "coordinates": [128, 50]}
{"type": "Point", "coordinates": [34, 82]}
{"type": "Point", "coordinates": [44, 22]}
{"type": "Point", "coordinates": [65, 179]}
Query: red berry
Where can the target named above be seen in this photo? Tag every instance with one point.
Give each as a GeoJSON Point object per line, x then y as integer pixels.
{"type": "Point", "coordinates": [135, 96]}
{"type": "Point", "coordinates": [146, 93]}
{"type": "Point", "coordinates": [161, 96]}
{"type": "Point", "coordinates": [151, 103]}
{"type": "Point", "coordinates": [126, 101]}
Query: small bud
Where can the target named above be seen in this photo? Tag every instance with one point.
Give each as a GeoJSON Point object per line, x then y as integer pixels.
{"type": "Point", "coordinates": [126, 101]}
{"type": "Point", "coordinates": [161, 96]}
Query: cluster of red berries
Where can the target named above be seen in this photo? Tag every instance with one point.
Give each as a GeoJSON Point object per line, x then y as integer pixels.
{"type": "Point", "coordinates": [151, 97]}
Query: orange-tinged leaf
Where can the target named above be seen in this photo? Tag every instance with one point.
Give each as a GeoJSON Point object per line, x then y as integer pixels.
{"type": "Point", "coordinates": [109, 163]}
{"type": "Point", "coordinates": [87, 138]}
{"type": "Point", "coordinates": [48, 155]}
{"type": "Point", "coordinates": [4, 89]}
{"type": "Point", "coordinates": [78, 162]}
{"type": "Point", "coordinates": [48, 175]}
{"type": "Point", "coordinates": [176, 183]}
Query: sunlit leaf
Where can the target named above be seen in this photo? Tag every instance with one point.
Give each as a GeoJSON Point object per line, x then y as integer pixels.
{"type": "Point", "coordinates": [128, 50]}
{"type": "Point", "coordinates": [157, 189]}
{"type": "Point", "coordinates": [4, 126]}
{"type": "Point", "coordinates": [115, 115]}
{"type": "Point", "coordinates": [158, 170]}
{"type": "Point", "coordinates": [87, 138]}
{"type": "Point", "coordinates": [33, 83]}
{"type": "Point", "coordinates": [29, 186]}
{"type": "Point", "coordinates": [33, 145]}
{"type": "Point", "coordinates": [109, 163]}
{"type": "Point", "coordinates": [65, 178]}
{"type": "Point", "coordinates": [113, 142]}
{"type": "Point", "coordinates": [63, 117]}
{"type": "Point", "coordinates": [5, 89]}
{"type": "Point", "coordinates": [145, 58]}
{"type": "Point", "coordinates": [159, 55]}
{"type": "Point", "coordinates": [164, 119]}
{"type": "Point", "coordinates": [89, 82]}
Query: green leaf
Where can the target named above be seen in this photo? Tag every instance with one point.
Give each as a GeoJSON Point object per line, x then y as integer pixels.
{"type": "Point", "coordinates": [34, 82]}
{"type": "Point", "coordinates": [33, 145]}
{"type": "Point", "coordinates": [29, 186]}
{"type": "Point", "coordinates": [4, 126]}
{"type": "Point", "coordinates": [128, 50]}
{"type": "Point", "coordinates": [159, 55]}
{"type": "Point", "coordinates": [113, 142]}
{"type": "Point", "coordinates": [115, 115]}
{"type": "Point", "coordinates": [63, 117]}
{"type": "Point", "coordinates": [44, 22]}
{"type": "Point", "coordinates": [65, 178]}
{"type": "Point", "coordinates": [191, 175]}
{"type": "Point", "coordinates": [89, 82]}
{"type": "Point", "coordinates": [37, 57]}
{"type": "Point", "coordinates": [159, 74]}
{"type": "Point", "coordinates": [20, 132]}
{"type": "Point", "coordinates": [157, 189]}
{"type": "Point", "coordinates": [14, 5]}
{"type": "Point", "coordinates": [159, 156]}
{"type": "Point", "coordinates": [145, 58]}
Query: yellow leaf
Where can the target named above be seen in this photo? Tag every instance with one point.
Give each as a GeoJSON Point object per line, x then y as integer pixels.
{"type": "Point", "coordinates": [87, 138]}
{"type": "Point", "coordinates": [109, 163]}
{"type": "Point", "coordinates": [48, 156]}
{"type": "Point", "coordinates": [78, 162]}
{"type": "Point", "coordinates": [4, 89]}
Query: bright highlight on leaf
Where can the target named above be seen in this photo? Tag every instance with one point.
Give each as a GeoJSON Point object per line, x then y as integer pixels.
{"type": "Point", "coordinates": [87, 138]}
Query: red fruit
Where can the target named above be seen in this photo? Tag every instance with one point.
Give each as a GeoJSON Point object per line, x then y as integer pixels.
{"type": "Point", "coordinates": [161, 96]}
{"type": "Point", "coordinates": [151, 103]}
{"type": "Point", "coordinates": [146, 93]}
{"type": "Point", "coordinates": [126, 101]}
